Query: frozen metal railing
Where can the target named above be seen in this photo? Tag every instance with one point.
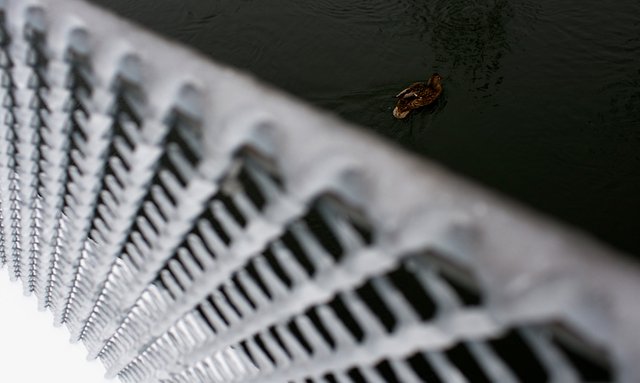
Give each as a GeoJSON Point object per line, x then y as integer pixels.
{"type": "Point", "coordinates": [191, 225]}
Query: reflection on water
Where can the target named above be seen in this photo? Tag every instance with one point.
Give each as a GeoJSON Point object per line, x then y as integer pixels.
{"type": "Point", "coordinates": [542, 98]}
{"type": "Point", "coordinates": [470, 38]}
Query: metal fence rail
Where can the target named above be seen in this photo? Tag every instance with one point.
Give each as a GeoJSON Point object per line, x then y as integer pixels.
{"type": "Point", "coordinates": [191, 225]}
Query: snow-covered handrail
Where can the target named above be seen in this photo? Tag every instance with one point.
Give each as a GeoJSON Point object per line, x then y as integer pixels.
{"type": "Point", "coordinates": [190, 224]}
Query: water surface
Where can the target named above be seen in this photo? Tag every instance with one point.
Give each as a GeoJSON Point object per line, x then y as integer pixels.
{"type": "Point", "coordinates": [542, 98]}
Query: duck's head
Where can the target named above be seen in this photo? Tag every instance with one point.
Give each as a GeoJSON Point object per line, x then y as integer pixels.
{"type": "Point", "coordinates": [435, 80]}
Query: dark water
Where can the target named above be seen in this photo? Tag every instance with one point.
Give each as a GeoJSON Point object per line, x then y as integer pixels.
{"type": "Point", "coordinates": [542, 97]}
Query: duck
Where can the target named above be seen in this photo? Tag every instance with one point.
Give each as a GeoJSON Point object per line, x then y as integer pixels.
{"type": "Point", "coordinates": [418, 95]}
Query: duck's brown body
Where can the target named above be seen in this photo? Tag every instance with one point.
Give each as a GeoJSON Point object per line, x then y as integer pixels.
{"type": "Point", "coordinates": [418, 95]}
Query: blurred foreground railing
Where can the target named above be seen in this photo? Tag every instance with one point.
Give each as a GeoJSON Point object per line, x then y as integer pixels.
{"type": "Point", "coordinates": [191, 225]}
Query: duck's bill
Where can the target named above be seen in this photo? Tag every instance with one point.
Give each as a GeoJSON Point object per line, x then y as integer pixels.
{"type": "Point", "coordinates": [400, 114]}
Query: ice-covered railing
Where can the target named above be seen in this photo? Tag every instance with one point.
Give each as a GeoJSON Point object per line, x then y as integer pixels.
{"type": "Point", "coordinates": [191, 225]}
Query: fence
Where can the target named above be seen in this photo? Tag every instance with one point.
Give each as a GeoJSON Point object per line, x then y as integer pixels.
{"type": "Point", "coordinates": [189, 224]}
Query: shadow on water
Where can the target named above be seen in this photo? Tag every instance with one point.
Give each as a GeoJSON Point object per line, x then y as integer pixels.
{"type": "Point", "coordinates": [541, 97]}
